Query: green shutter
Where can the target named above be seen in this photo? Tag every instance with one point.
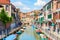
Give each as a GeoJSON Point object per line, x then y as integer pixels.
{"type": "Point", "coordinates": [40, 14]}
{"type": "Point", "coordinates": [49, 6]}
{"type": "Point", "coordinates": [41, 19]}
{"type": "Point", "coordinates": [49, 16]}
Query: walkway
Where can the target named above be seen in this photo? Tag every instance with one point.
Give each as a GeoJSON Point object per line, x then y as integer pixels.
{"type": "Point", "coordinates": [29, 34]}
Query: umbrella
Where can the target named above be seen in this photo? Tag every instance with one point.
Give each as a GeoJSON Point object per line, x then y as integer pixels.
{"type": "Point", "coordinates": [11, 37]}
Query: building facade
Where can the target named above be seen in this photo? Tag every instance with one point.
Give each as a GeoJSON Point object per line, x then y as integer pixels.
{"type": "Point", "coordinates": [12, 11]}
{"type": "Point", "coordinates": [51, 18]}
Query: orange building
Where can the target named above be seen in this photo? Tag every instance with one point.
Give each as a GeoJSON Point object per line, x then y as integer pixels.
{"type": "Point", "coordinates": [56, 12]}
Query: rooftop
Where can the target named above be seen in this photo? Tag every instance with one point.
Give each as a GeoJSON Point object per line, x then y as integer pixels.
{"type": "Point", "coordinates": [4, 1]}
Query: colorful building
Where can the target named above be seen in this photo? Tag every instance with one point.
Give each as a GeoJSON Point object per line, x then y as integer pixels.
{"type": "Point", "coordinates": [56, 13]}
{"type": "Point", "coordinates": [12, 12]}
{"type": "Point", "coordinates": [49, 18]}
{"type": "Point", "coordinates": [5, 4]}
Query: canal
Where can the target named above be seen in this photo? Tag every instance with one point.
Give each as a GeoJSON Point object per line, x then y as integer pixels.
{"type": "Point", "coordinates": [29, 34]}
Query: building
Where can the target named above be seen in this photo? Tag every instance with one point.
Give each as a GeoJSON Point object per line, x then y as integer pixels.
{"type": "Point", "coordinates": [18, 21]}
{"type": "Point", "coordinates": [30, 17]}
{"type": "Point", "coordinates": [23, 17]}
{"type": "Point", "coordinates": [36, 14]}
{"type": "Point", "coordinates": [48, 15]}
{"type": "Point", "coordinates": [56, 13]}
{"type": "Point", "coordinates": [6, 5]}
{"type": "Point", "coordinates": [12, 12]}
{"type": "Point", "coordinates": [51, 18]}
{"type": "Point", "coordinates": [41, 17]}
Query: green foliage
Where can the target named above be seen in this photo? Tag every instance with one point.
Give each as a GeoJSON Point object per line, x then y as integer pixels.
{"type": "Point", "coordinates": [4, 18]}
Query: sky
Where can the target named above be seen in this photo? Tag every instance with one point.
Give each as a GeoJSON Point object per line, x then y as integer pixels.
{"type": "Point", "coordinates": [29, 5]}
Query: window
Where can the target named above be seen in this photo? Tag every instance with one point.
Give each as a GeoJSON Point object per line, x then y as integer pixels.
{"type": "Point", "coordinates": [13, 15]}
{"type": "Point", "coordinates": [59, 14]}
{"type": "Point", "coordinates": [58, 4]}
{"type": "Point", "coordinates": [56, 13]}
{"type": "Point", "coordinates": [40, 14]}
{"type": "Point", "coordinates": [7, 7]}
{"type": "Point", "coordinates": [42, 18]}
{"type": "Point", "coordinates": [44, 8]}
{"type": "Point", "coordinates": [49, 16]}
{"type": "Point", "coordinates": [49, 6]}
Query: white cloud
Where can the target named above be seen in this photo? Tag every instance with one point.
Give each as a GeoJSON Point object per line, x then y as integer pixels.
{"type": "Point", "coordinates": [26, 8]}
{"type": "Point", "coordinates": [17, 4]}
{"type": "Point", "coordinates": [40, 3]}
{"type": "Point", "coordinates": [35, 8]}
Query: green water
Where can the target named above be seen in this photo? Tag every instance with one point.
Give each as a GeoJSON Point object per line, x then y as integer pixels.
{"type": "Point", "coordinates": [29, 34]}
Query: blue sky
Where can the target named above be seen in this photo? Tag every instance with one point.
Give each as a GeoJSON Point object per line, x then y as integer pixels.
{"type": "Point", "coordinates": [29, 5]}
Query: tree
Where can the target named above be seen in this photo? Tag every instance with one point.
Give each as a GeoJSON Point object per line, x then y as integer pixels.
{"type": "Point", "coordinates": [4, 17]}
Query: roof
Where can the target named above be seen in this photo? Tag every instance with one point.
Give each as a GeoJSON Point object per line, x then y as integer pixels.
{"type": "Point", "coordinates": [4, 1]}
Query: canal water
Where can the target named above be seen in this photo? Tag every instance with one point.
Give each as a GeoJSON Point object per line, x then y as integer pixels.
{"type": "Point", "coordinates": [29, 34]}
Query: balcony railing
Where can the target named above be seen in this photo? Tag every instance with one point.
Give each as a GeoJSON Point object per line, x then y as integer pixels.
{"type": "Point", "coordinates": [51, 34]}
